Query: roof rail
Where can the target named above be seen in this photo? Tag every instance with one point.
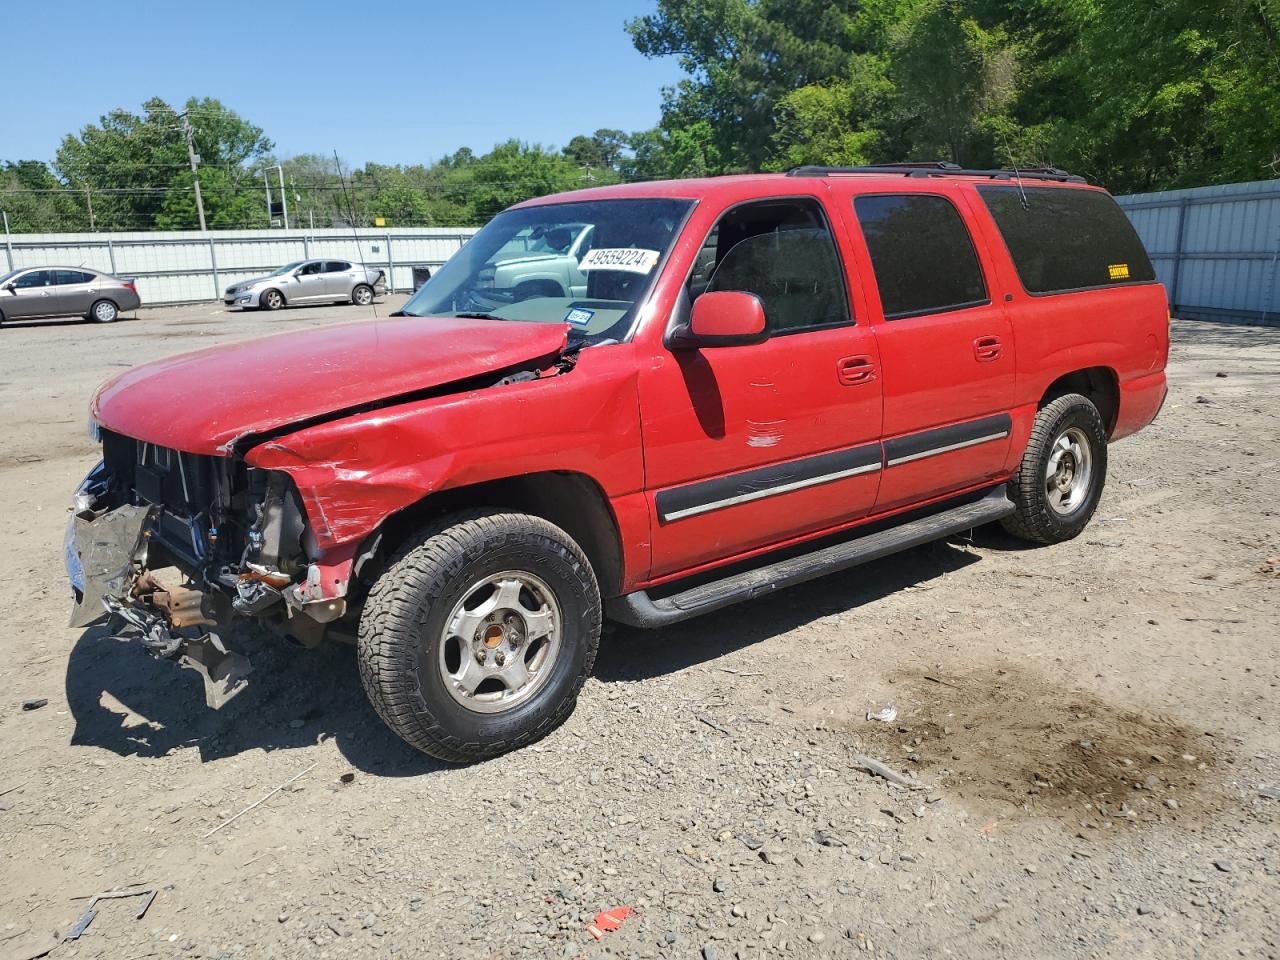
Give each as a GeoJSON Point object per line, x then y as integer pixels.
{"type": "Point", "coordinates": [942, 168]}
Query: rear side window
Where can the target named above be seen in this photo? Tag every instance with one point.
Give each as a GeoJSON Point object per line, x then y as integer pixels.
{"type": "Point", "coordinates": [922, 254]}
{"type": "Point", "coordinates": [783, 252]}
{"type": "Point", "coordinates": [1067, 239]}
{"type": "Point", "coordinates": [66, 277]}
{"type": "Point", "coordinates": [337, 266]}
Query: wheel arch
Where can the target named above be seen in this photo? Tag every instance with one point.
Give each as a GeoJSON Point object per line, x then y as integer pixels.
{"type": "Point", "coordinates": [1100, 384]}
{"type": "Point", "coordinates": [574, 502]}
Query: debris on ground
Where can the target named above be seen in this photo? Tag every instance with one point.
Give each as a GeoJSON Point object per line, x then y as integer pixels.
{"type": "Point", "coordinates": [886, 714]}
{"type": "Point", "coordinates": [607, 921]}
{"type": "Point", "coordinates": [86, 918]}
{"type": "Point", "coordinates": [35, 703]}
{"type": "Point", "coordinates": [873, 766]}
{"type": "Point", "coordinates": [257, 803]}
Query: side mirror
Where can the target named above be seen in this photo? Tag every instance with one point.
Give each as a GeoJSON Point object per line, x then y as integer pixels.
{"type": "Point", "coordinates": [724, 318]}
{"type": "Point", "coordinates": [8, 286]}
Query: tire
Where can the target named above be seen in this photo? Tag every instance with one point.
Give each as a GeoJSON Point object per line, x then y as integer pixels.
{"type": "Point", "coordinates": [271, 300]}
{"type": "Point", "coordinates": [1046, 513]}
{"type": "Point", "coordinates": [362, 295]}
{"type": "Point", "coordinates": [414, 666]}
{"type": "Point", "coordinates": [104, 311]}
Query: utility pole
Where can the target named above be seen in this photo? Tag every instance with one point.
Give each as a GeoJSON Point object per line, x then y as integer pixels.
{"type": "Point", "coordinates": [284, 199]}
{"type": "Point", "coordinates": [88, 199]}
{"type": "Point", "coordinates": [195, 175]}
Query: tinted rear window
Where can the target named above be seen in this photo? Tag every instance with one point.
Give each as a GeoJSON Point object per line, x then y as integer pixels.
{"type": "Point", "coordinates": [1066, 239]}
{"type": "Point", "coordinates": [922, 254]}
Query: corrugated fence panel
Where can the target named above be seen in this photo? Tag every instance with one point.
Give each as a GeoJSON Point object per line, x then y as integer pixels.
{"type": "Point", "coordinates": [188, 266]}
{"type": "Point", "coordinates": [1215, 249]}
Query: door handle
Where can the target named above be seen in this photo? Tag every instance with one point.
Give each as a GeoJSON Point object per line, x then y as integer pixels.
{"type": "Point", "coordinates": [986, 349]}
{"type": "Point", "coordinates": [855, 370]}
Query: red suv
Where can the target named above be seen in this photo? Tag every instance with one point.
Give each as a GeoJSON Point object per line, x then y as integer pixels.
{"type": "Point", "coordinates": [768, 378]}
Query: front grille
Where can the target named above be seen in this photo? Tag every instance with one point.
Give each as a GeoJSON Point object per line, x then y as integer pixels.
{"type": "Point", "coordinates": [198, 494]}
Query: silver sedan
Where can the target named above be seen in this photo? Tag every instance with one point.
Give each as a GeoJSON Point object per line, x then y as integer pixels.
{"type": "Point", "coordinates": [309, 281]}
{"type": "Point", "coordinates": [35, 292]}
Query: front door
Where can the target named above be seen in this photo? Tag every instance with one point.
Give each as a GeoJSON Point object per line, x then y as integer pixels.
{"type": "Point", "coordinates": [33, 295]}
{"type": "Point", "coordinates": [310, 282]}
{"type": "Point", "coordinates": [750, 446]}
{"type": "Point", "coordinates": [946, 348]}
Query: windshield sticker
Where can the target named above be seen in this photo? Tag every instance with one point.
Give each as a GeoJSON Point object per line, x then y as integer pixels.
{"type": "Point", "coordinates": [579, 317]}
{"type": "Point", "coordinates": [626, 259]}
{"type": "Point", "coordinates": [1118, 271]}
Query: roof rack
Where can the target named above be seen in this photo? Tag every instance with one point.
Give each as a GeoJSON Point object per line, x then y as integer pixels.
{"type": "Point", "coordinates": [942, 168]}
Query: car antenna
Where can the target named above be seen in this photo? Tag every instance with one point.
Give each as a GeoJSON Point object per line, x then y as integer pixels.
{"type": "Point", "coordinates": [351, 219]}
{"type": "Point", "coordinates": [1022, 192]}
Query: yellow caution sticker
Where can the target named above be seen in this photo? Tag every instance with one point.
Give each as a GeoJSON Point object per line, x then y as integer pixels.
{"type": "Point", "coordinates": [1119, 271]}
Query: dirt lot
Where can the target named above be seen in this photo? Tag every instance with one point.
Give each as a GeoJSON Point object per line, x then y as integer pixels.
{"type": "Point", "coordinates": [1096, 723]}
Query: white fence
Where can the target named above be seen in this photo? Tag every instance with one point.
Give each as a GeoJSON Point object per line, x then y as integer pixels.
{"type": "Point", "coordinates": [189, 266]}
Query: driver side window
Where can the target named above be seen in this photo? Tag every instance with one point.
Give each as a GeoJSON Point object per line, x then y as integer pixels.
{"type": "Point", "coordinates": [783, 252]}
{"type": "Point", "coordinates": [311, 268]}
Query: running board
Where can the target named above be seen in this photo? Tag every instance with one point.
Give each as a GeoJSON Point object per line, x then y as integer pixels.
{"type": "Point", "coordinates": [640, 610]}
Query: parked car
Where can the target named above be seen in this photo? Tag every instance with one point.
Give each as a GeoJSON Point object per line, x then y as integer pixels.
{"type": "Point", "coordinates": [38, 292]}
{"type": "Point", "coordinates": [767, 378]}
{"type": "Point", "coordinates": [542, 260]}
{"type": "Point", "coordinates": [309, 281]}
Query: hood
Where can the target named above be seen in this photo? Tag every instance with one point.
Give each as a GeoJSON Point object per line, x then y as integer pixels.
{"type": "Point", "coordinates": [522, 257]}
{"type": "Point", "coordinates": [203, 401]}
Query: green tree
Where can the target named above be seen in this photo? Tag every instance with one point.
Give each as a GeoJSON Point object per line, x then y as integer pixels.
{"type": "Point", "coordinates": [35, 201]}
{"type": "Point", "coordinates": [133, 162]}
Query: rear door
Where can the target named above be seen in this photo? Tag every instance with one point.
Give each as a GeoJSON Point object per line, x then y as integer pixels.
{"type": "Point", "coordinates": [33, 295]}
{"type": "Point", "coordinates": [76, 291]}
{"type": "Point", "coordinates": [749, 446]}
{"type": "Point", "coordinates": [946, 347]}
{"type": "Point", "coordinates": [339, 279]}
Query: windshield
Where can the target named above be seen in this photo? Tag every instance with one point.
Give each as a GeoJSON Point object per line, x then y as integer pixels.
{"type": "Point", "coordinates": [287, 268]}
{"type": "Point", "coordinates": [9, 276]}
{"type": "Point", "coordinates": [585, 264]}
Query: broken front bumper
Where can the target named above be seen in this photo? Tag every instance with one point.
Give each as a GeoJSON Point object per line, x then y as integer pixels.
{"type": "Point", "coordinates": [106, 559]}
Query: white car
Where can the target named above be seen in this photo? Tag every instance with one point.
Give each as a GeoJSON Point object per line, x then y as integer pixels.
{"type": "Point", "coordinates": [309, 281]}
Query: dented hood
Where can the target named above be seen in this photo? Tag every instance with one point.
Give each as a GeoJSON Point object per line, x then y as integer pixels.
{"type": "Point", "coordinates": [203, 401]}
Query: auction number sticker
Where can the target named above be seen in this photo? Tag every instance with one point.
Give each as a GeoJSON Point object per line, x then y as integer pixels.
{"type": "Point", "coordinates": [579, 316]}
{"type": "Point", "coordinates": [626, 259]}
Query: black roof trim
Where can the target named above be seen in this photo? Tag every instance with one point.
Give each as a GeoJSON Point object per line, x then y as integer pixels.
{"type": "Point", "coordinates": [942, 168]}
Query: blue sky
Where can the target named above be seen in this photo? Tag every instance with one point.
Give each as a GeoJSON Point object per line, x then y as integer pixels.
{"type": "Point", "coordinates": [392, 81]}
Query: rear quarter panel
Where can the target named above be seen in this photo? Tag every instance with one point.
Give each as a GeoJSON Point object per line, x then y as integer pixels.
{"type": "Point", "coordinates": [1124, 329]}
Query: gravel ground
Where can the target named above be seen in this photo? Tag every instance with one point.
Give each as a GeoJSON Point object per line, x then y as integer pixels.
{"type": "Point", "coordinates": [1094, 725]}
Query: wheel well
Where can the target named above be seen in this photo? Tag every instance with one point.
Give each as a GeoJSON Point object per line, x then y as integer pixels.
{"type": "Point", "coordinates": [573, 502]}
{"type": "Point", "coordinates": [1099, 384]}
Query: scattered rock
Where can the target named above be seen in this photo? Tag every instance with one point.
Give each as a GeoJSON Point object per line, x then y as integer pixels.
{"type": "Point", "coordinates": [35, 703]}
{"type": "Point", "coordinates": [1226, 866]}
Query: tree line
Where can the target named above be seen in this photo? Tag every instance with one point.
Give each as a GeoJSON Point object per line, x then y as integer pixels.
{"type": "Point", "coordinates": [1134, 94]}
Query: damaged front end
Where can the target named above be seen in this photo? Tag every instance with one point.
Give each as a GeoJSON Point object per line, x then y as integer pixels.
{"type": "Point", "coordinates": [168, 548]}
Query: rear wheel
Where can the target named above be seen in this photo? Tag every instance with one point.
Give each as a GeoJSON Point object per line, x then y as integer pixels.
{"type": "Point", "coordinates": [362, 295]}
{"type": "Point", "coordinates": [271, 300]}
{"type": "Point", "coordinates": [477, 639]}
{"type": "Point", "coordinates": [104, 311]}
{"type": "Point", "coordinates": [1063, 470]}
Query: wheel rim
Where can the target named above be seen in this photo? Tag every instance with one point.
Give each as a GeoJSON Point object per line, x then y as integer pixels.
{"type": "Point", "coordinates": [273, 300]}
{"type": "Point", "coordinates": [364, 296]}
{"type": "Point", "coordinates": [1069, 471]}
{"type": "Point", "coordinates": [501, 642]}
{"type": "Point", "coordinates": [104, 312]}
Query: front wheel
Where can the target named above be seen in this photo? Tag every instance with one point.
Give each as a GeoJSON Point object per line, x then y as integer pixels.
{"type": "Point", "coordinates": [271, 300]}
{"type": "Point", "coordinates": [1060, 479]}
{"type": "Point", "coordinates": [362, 295]}
{"type": "Point", "coordinates": [477, 638]}
{"type": "Point", "coordinates": [104, 311]}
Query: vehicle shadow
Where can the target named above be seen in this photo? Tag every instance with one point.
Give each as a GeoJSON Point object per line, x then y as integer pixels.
{"type": "Point", "coordinates": [630, 654]}
{"type": "Point", "coordinates": [63, 322]}
{"type": "Point", "coordinates": [124, 700]}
